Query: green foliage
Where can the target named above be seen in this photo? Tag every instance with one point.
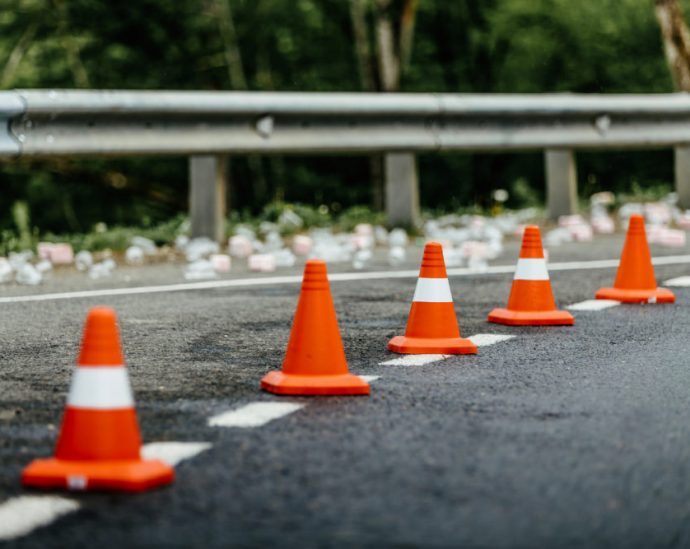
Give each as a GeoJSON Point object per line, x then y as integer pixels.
{"type": "Point", "coordinates": [101, 237]}
{"type": "Point", "coordinates": [20, 214]}
{"type": "Point", "coordinates": [497, 46]}
{"type": "Point", "coordinates": [359, 214]}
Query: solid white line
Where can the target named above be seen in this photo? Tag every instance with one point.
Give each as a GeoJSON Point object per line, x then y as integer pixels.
{"type": "Point", "coordinates": [413, 360]}
{"type": "Point", "coordinates": [21, 515]}
{"type": "Point", "coordinates": [100, 388]}
{"type": "Point", "coordinates": [369, 379]}
{"type": "Point", "coordinates": [337, 277]}
{"type": "Point", "coordinates": [173, 453]}
{"type": "Point", "coordinates": [255, 414]}
{"type": "Point", "coordinates": [681, 282]}
{"type": "Point", "coordinates": [483, 340]}
{"type": "Point", "coordinates": [432, 290]}
{"type": "Point", "coordinates": [593, 305]}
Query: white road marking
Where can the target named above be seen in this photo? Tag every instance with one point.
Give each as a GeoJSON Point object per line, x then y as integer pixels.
{"type": "Point", "coordinates": [255, 414]}
{"type": "Point", "coordinates": [21, 515]}
{"type": "Point", "coordinates": [413, 360]}
{"type": "Point", "coordinates": [369, 379]}
{"type": "Point", "coordinates": [681, 281]}
{"type": "Point", "coordinates": [173, 453]}
{"type": "Point", "coordinates": [593, 305]}
{"type": "Point", "coordinates": [483, 340]}
{"type": "Point", "coordinates": [336, 277]}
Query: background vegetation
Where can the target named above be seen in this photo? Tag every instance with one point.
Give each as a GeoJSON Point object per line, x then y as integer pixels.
{"type": "Point", "coordinates": [590, 46]}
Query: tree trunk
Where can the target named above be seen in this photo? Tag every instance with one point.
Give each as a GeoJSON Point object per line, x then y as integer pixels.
{"type": "Point", "coordinates": [231, 50]}
{"type": "Point", "coordinates": [388, 54]}
{"type": "Point", "coordinates": [407, 21]}
{"type": "Point", "coordinates": [360, 32]}
{"type": "Point", "coordinates": [676, 38]}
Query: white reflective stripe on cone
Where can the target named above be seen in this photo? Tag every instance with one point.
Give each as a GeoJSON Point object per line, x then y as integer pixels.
{"type": "Point", "coordinates": [100, 387]}
{"type": "Point", "coordinates": [432, 290]}
{"type": "Point", "coordinates": [531, 269]}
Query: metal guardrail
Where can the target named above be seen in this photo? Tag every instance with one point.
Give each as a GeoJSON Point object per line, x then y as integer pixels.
{"type": "Point", "coordinates": [40, 123]}
{"type": "Point", "coordinates": [44, 123]}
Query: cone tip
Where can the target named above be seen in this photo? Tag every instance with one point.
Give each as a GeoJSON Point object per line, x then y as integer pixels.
{"type": "Point", "coordinates": [315, 266]}
{"type": "Point", "coordinates": [101, 312]}
{"type": "Point", "coordinates": [100, 345]}
{"type": "Point", "coordinates": [433, 246]}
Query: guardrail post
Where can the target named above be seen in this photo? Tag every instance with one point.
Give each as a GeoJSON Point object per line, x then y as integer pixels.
{"type": "Point", "coordinates": [561, 183]}
{"type": "Point", "coordinates": [682, 174]}
{"type": "Point", "coordinates": [402, 189]}
{"type": "Point", "coordinates": [207, 190]}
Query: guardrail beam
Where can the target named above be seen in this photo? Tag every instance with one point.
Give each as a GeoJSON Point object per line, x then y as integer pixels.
{"type": "Point", "coordinates": [402, 189]}
{"type": "Point", "coordinates": [207, 195]}
{"type": "Point", "coordinates": [561, 183]}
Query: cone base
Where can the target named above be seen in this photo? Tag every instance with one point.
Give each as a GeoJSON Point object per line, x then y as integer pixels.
{"type": "Point", "coordinates": [280, 383]}
{"type": "Point", "coordinates": [531, 318]}
{"type": "Point", "coordinates": [432, 346]}
{"type": "Point", "coordinates": [125, 476]}
{"type": "Point", "coordinates": [657, 295]}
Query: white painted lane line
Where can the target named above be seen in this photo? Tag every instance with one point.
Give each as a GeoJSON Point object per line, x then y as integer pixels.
{"type": "Point", "coordinates": [173, 453]}
{"type": "Point", "coordinates": [369, 379]}
{"type": "Point", "coordinates": [336, 277]}
{"type": "Point", "coordinates": [21, 515]}
{"type": "Point", "coordinates": [255, 414]}
{"type": "Point", "coordinates": [681, 282]}
{"type": "Point", "coordinates": [593, 305]}
{"type": "Point", "coordinates": [413, 360]}
{"type": "Point", "coordinates": [483, 340]}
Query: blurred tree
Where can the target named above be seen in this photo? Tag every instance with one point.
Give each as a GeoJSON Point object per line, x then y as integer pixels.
{"type": "Point", "coordinates": [676, 38]}
{"type": "Point", "coordinates": [601, 46]}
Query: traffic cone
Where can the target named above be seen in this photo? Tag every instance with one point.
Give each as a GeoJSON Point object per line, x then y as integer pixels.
{"type": "Point", "coordinates": [99, 443]}
{"type": "Point", "coordinates": [531, 300]}
{"type": "Point", "coordinates": [432, 327]}
{"type": "Point", "coordinates": [315, 361]}
{"type": "Point", "coordinates": [635, 281]}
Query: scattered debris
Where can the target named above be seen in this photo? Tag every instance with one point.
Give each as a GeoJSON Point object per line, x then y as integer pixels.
{"type": "Point", "coordinates": [201, 269]}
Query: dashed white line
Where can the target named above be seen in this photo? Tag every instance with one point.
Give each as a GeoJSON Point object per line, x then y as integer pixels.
{"type": "Point", "coordinates": [21, 515]}
{"type": "Point", "coordinates": [336, 277]}
{"type": "Point", "coordinates": [254, 414]}
{"type": "Point", "coordinates": [369, 379]}
{"type": "Point", "coordinates": [484, 340]}
{"type": "Point", "coordinates": [173, 453]}
{"type": "Point", "coordinates": [681, 282]}
{"type": "Point", "coordinates": [593, 305]}
{"type": "Point", "coordinates": [413, 360]}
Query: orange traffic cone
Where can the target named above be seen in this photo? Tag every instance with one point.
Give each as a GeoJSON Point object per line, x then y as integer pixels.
{"type": "Point", "coordinates": [531, 300]}
{"type": "Point", "coordinates": [315, 361]}
{"type": "Point", "coordinates": [99, 442]}
{"type": "Point", "coordinates": [635, 281]}
{"type": "Point", "coordinates": [432, 326]}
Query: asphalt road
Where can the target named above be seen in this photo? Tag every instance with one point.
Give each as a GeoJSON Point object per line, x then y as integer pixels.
{"type": "Point", "coordinates": [561, 437]}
